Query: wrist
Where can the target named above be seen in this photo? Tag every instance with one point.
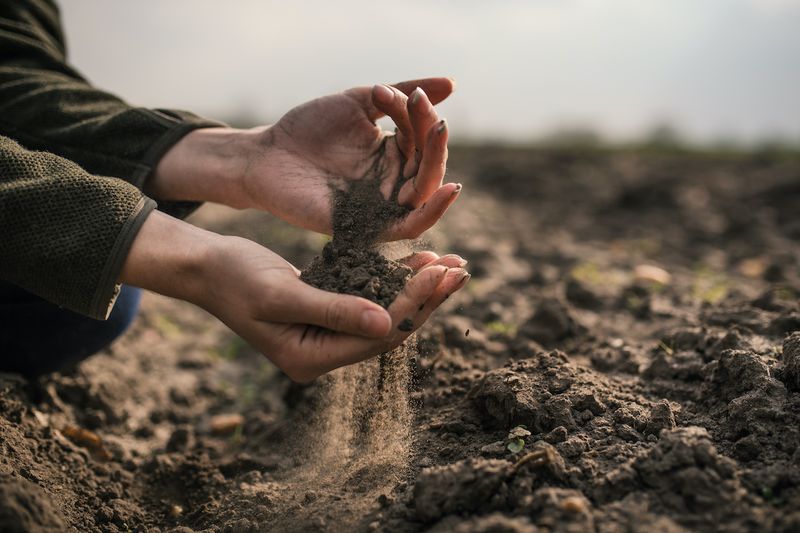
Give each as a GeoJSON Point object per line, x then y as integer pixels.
{"type": "Point", "coordinates": [171, 257]}
{"type": "Point", "coordinates": [208, 164]}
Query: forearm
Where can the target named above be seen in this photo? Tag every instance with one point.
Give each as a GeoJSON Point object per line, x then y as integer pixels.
{"type": "Point", "coordinates": [207, 165]}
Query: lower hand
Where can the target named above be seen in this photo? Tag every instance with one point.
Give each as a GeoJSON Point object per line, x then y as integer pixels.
{"type": "Point", "coordinates": [304, 331]}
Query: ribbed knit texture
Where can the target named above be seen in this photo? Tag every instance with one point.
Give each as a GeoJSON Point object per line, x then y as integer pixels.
{"type": "Point", "coordinates": [61, 228]}
{"type": "Point", "coordinates": [64, 232]}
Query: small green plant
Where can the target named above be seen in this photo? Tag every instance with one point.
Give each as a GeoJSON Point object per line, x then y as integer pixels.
{"type": "Point", "coordinates": [515, 441]}
{"type": "Point", "coordinates": [771, 498]}
{"type": "Point", "coordinates": [709, 286]}
{"type": "Point", "coordinates": [166, 326]}
{"type": "Point", "coordinates": [503, 328]}
{"type": "Point", "coordinates": [634, 302]}
{"type": "Point", "coordinates": [588, 272]}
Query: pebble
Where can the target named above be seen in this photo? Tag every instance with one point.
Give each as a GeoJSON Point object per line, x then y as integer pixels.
{"type": "Point", "coordinates": [225, 423]}
{"type": "Point", "coordinates": [651, 274]}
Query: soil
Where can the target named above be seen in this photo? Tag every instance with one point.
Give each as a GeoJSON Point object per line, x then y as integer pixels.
{"type": "Point", "coordinates": [350, 262]}
{"type": "Point", "coordinates": [652, 399]}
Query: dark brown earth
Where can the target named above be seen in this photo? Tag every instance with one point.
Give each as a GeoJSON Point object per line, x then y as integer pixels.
{"type": "Point", "coordinates": [350, 262]}
{"type": "Point", "coordinates": [651, 400]}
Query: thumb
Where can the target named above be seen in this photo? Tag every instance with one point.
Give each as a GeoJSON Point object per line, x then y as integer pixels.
{"type": "Point", "coordinates": [337, 312]}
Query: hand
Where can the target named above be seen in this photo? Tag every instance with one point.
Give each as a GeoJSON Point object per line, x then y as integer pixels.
{"type": "Point", "coordinates": [334, 139]}
{"type": "Point", "coordinates": [304, 331]}
{"type": "Point", "coordinates": [289, 169]}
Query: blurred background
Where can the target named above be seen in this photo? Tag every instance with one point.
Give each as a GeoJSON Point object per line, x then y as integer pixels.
{"type": "Point", "coordinates": [711, 73]}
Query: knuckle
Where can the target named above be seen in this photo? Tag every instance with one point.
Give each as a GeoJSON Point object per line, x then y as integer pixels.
{"type": "Point", "coordinates": [336, 314]}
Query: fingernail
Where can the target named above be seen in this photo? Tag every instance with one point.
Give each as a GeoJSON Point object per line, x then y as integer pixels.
{"type": "Point", "coordinates": [455, 272]}
{"type": "Point", "coordinates": [442, 126]}
{"type": "Point", "coordinates": [463, 262]}
{"type": "Point", "coordinates": [416, 94]}
{"type": "Point", "coordinates": [375, 322]}
{"type": "Point", "coordinates": [456, 190]}
{"type": "Point", "coordinates": [383, 94]}
{"type": "Point", "coordinates": [454, 82]}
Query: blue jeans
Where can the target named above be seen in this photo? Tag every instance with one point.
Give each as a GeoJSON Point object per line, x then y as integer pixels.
{"type": "Point", "coordinates": [37, 337]}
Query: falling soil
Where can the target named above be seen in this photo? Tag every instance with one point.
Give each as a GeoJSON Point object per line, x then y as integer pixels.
{"type": "Point", "coordinates": [350, 262]}
{"type": "Point", "coordinates": [647, 405]}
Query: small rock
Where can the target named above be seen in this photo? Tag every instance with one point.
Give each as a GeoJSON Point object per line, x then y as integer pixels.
{"type": "Point", "coordinates": [651, 274]}
{"type": "Point", "coordinates": [495, 449]}
{"type": "Point", "coordinates": [180, 439]}
{"type": "Point", "coordinates": [580, 295]}
{"type": "Point", "coordinates": [747, 448]}
{"type": "Point", "coordinates": [550, 323]}
{"type": "Point", "coordinates": [661, 417]}
{"type": "Point", "coordinates": [558, 434]}
{"type": "Point", "coordinates": [627, 433]}
{"type": "Point", "coordinates": [225, 424]}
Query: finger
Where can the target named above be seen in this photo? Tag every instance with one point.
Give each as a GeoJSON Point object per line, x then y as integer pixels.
{"type": "Point", "coordinates": [417, 260]}
{"type": "Point", "coordinates": [392, 102]}
{"type": "Point", "coordinates": [450, 261]}
{"type": "Point", "coordinates": [423, 117]}
{"type": "Point", "coordinates": [304, 304]}
{"type": "Point", "coordinates": [424, 217]}
{"type": "Point", "coordinates": [432, 168]}
{"type": "Point", "coordinates": [324, 352]}
{"type": "Point", "coordinates": [437, 89]}
{"type": "Point", "coordinates": [414, 295]}
{"type": "Point", "coordinates": [455, 280]}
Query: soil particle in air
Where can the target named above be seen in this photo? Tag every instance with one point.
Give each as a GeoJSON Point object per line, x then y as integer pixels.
{"type": "Point", "coordinates": [350, 262]}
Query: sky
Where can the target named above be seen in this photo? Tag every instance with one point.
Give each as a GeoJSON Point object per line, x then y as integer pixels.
{"type": "Point", "coordinates": [717, 70]}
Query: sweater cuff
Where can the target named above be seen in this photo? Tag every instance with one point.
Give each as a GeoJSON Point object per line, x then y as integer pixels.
{"type": "Point", "coordinates": [108, 288]}
{"type": "Point", "coordinates": [178, 124]}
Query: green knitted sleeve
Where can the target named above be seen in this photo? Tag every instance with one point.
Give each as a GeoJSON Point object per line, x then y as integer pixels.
{"type": "Point", "coordinates": [64, 233]}
{"type": "Point", "coordinates": [45, 104]}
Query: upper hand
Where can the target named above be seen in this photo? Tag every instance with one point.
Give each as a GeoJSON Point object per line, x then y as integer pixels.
{"type": "Point", "coordinates": [334, 139]}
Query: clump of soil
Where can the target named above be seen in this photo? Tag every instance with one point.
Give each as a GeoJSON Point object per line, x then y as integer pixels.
{"type": "Point", "coordinates": [350, 262]}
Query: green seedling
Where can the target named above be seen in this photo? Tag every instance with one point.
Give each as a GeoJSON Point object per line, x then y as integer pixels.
{"type": "Point", "coordinates": [709, 286]}
{"type": "Point", "coordinates": [588, 273]}
{"type": "Point", "coordinates": [497, 326]}
{"type": "Point", "coordinates": [166, 326]}
{"type": "Point", "coordinates": [515, 441]}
